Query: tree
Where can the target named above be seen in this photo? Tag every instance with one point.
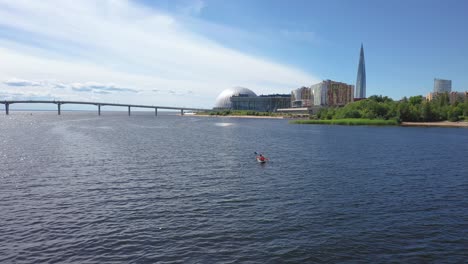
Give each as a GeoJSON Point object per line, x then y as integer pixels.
{"type": "Point", "coordinates": [454, 114]}
{"type": "Point", "coordinates": [416, 100]}
{"type": "Point", "coordinates": [465, 108]}
{"type": "Point", "coordinates": [442, 99]}
{"type": "Point", "coordinates": [427, 114]}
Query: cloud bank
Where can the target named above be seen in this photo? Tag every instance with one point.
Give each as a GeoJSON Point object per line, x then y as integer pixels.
{"type": "Point", "coordinates": [119, 51]}
{"type": "Point", "coordinates": [20, 82]}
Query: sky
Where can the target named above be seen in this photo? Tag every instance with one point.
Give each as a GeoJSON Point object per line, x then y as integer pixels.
{"type": "Point", "coordinates": [184, 53]}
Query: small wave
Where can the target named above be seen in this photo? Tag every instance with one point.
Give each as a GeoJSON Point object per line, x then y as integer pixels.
{"type": "Point", "coordinates": [224, 124]}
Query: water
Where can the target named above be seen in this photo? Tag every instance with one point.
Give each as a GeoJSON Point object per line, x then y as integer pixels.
{"type": "Point", "coordinates": [78, 188]}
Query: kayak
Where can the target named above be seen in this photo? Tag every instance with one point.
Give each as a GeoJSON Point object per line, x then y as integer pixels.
{"type": "Point", "coordinates": [261, 161]}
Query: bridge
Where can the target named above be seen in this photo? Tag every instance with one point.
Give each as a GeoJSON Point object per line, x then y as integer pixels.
{"type": "Point", "coordinates": [99, 105]}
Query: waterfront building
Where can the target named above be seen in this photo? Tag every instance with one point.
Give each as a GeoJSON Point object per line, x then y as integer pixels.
{"type": "Point", "coordinates": [442, 86]}
{"type": "Point", "coordinates": [319, 91]}
{"type": "Point", "coordinates": [301, 97]}
{"type": "Point", "coordinates": [223, 101]}
{"type": "Point", "coordinates": [361, 76]}
{"type": "Point", "coordinates": [262, 103]}
{"type": "Point", "coordinates": [331, 93]}
{"type": "Point", "coordinates": [240, 98]}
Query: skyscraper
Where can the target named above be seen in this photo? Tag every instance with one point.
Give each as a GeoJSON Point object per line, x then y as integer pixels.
{"type": "Point", "coordinates": [361, 77]}
{"type": "Point", "coordinates": [442, 86]}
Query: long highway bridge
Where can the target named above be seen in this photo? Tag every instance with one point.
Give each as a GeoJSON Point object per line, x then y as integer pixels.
{"type": "Point", "coordinates": [129, 106]}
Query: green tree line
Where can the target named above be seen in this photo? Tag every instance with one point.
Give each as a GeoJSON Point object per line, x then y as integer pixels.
{"type": "Point", "coordinates": [413, 109]}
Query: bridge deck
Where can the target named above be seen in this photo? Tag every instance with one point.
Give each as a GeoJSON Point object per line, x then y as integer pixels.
{"type": "Point", "coordinates": [7, 104]}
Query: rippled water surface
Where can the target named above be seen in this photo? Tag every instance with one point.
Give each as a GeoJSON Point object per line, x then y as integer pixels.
{"type": "Point", "coordinates": [140, 189]}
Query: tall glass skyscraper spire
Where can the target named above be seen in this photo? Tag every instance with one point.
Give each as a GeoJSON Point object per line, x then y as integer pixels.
{"type": "Point", "coordinates": [361, 77]}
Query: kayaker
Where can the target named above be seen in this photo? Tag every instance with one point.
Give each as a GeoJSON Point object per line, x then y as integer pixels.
{"type": "Point", "coordinates": [261, 158]}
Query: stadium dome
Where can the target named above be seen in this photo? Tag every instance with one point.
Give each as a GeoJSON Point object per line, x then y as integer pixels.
{"type": "Point", "coordinates": [224, 98]}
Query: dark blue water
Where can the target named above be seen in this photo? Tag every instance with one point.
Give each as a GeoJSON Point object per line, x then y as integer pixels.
{"type": "Point", "coordinates": [78, 188]}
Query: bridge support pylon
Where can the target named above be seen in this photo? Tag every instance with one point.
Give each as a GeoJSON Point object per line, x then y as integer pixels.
{"type": "Point", "coordinates": [129, 111]}
{"type": "Point", "coordinates": [156, 111]}
{"type": "Point", "coordinates": [99, 109]}
{"type": "Point", "coordinates": [7, 108]}
{"type": "Point", "coordinates": [58, 108]}
{"type": "Point", "coordinates": [181, 112]}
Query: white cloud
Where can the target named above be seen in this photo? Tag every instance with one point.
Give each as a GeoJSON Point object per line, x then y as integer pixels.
{"type": "Point", "coordinates": [100, 88]}
{"type": "Point", "coordinates": [119, 42]}
{"type": "Point", "coordinates": [20, 82]}
{"type": "Point", "coordinates": [26, 96]}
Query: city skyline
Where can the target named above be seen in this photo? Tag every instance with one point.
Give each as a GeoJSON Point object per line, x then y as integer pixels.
{"type": "Point", "coordinates": [185, 52]}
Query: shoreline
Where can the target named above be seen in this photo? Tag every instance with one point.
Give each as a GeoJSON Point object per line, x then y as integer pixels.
{"type": "Point", "coordinates": [460, 124]}
{"type": "Point", "coordinates": [244, 116]}
{"type": "Point", "coordinates": [347, 122]}
{"type": "Point", "coordinates": [435, 124]}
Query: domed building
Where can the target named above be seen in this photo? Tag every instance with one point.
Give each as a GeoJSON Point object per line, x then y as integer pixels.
{"type": "Point", "coordinates": [240, 98]}
{"type": "Point", "coordinates": [224, 98]}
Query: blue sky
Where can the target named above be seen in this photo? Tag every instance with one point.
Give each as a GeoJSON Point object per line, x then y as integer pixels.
{"type": "Point", "coordinates": [186, 52]}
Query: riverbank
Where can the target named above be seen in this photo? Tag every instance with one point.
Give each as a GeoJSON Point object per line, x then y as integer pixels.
{"type": "Point", "coordinates": [348, 122]}
{"type": "Point", "coordinates": [435, 124]}
{"type": "Point", "coordinates": [243, 116]}
{"type": "Point", "coordinates": [379, 122]}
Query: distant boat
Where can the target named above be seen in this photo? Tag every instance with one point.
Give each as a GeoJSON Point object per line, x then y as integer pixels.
{"type": "Point", "coordinates": [261, 159]}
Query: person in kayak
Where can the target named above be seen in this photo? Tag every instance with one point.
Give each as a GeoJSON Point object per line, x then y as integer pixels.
{"type": "Point", "coordinates": [261, 157]}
